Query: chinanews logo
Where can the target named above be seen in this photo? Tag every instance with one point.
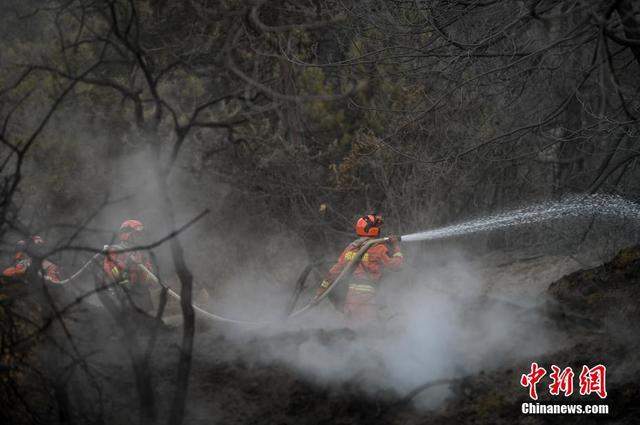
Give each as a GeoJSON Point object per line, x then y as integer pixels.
{"type": "Point", "coordinates": [561, 382]}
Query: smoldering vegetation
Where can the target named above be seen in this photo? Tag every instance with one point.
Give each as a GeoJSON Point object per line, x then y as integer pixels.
{"type": "Point", "coordinates": [247, 137]}
{"type": "Point", "coordinates": [435, 326]}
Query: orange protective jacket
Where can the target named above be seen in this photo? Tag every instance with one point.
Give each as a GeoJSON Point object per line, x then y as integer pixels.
{"type": "Point", "coordinates": [120, 267]}
{"type": "Point", "coordinates": [21, 262]}
{"type": "Point", "coordinates": [378, 258]}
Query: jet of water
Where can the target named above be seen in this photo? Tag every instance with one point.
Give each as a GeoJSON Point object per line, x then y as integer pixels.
{"type": "Point", "coordinates": [575, 206]}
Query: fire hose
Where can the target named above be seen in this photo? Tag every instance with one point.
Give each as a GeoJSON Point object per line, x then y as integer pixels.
{"type": "Point", "coordinates": [346, 272]}
{"type": "Point", "coordinates": [79, 271]}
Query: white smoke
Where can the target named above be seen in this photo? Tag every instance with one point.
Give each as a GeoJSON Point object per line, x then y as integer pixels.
{"type": "Point", "coordinates": [435, 324]}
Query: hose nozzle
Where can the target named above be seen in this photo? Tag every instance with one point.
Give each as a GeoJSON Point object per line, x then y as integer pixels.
{"type": "Point", "coordinates": [389, 239]}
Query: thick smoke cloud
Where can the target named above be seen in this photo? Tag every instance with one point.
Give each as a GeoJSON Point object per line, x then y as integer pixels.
{"type": "Point", "coordinates": [438, 324]}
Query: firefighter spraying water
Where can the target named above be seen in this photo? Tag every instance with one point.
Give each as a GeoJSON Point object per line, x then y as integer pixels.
{"type": "Point", "coordinates": [361, 287]}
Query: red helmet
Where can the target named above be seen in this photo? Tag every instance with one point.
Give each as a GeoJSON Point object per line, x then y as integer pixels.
{"type": "Point", "coordinates": [369, 225]}
{"type": "Point", "coordinates": [129, 228]}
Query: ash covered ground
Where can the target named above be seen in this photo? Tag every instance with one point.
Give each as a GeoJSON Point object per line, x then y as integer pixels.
{"type": "Point", "coordinates": [322, 372]}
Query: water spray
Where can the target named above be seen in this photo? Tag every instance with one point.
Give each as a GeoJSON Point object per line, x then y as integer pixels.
{"type": "Point", "coordinates": [576, 206]}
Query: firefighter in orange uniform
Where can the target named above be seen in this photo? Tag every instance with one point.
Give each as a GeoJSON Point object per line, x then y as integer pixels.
{"type": "Point", "coordinates": [359, 305]}
{"type": "Point", "coordinates": [22, 261]}
{"type": "Point", "coordinates": [123, 268]}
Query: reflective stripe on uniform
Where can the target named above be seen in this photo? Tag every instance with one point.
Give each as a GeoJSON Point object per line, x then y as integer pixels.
{"type": "Point", "coordinates": [351, 255]}
{"type": "Point", "coordinates": [398, 254]}
{"type": "Point", "coordinates": [361, 287]}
